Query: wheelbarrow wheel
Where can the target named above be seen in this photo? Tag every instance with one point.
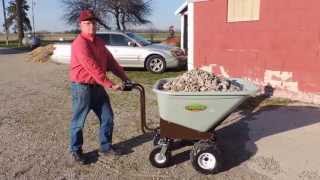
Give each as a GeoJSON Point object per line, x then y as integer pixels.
{"type": "Point", "coordinates": [156, 138]}
{"type": "Point", "coordinates": [158, 160]}
{"type": "Point", "coordinates": [205, 158]}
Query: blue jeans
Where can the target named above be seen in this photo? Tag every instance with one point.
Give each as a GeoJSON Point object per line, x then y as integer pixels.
{"type": "Point", "coordinates": [84, 99]}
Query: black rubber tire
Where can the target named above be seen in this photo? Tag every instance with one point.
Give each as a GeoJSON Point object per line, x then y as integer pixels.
{"type": "Point", "coordinates": [153, 57]}
{"type": "Point", "coordinates": [201, 149]}
{"type": "Point", "coordinates": [153, 158]}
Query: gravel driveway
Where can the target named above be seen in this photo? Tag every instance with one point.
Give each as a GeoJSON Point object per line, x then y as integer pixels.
{"type": "Point", "coordinates": [35, 110]}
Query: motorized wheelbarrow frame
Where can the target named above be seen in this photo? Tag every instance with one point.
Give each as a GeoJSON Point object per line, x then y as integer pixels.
{"type": "Point", "coordinates": [204, 155]}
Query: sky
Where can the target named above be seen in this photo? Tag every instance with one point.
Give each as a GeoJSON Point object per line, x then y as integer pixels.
{"type": "Point", "coordinates": [49, 15]}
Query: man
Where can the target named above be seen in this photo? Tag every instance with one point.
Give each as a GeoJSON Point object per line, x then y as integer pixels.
{"type": "Point", "coordinates": [89, 62]}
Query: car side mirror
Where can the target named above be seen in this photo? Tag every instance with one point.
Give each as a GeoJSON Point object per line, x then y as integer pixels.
{"type": "Point", "coordinates": [132, 44]}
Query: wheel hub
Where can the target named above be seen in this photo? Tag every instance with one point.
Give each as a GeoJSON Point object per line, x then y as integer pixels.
{"type": "Point", "coordinates": [207, 161]}
{"type": "Point", "coordinates": [159, 158]}
{"type": "Point", "coordinates": [156, 65]}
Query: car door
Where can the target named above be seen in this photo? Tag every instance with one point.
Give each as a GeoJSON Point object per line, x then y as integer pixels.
{"type": "Point", "coordinates": [126, 55]}
{"type": "Point", "coordinates": [106, 38]}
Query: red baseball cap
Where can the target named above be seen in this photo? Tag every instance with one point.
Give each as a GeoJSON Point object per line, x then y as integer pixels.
{"type": "Point", "coordinates": [86, 15]}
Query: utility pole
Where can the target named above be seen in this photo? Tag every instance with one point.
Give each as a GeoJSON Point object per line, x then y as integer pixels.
{"type": "Point", "coordinates": [33, 27]}
{"type": "Point", "coordinates": [5, 22]}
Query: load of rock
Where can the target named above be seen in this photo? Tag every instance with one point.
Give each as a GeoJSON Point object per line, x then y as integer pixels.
{"type": "Point", "coordinates": [199, 81]}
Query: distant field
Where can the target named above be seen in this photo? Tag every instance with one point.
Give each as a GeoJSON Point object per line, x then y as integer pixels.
{"type": "Point", "coordinates": [12, 44]}
{"type": "Point", "coordinates": [53, 37]}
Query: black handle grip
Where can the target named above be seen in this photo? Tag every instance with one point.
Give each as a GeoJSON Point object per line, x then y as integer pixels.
{"type": "Point", "coordinates": [127, 85]}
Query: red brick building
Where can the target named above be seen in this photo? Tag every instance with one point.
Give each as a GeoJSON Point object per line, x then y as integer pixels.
{"type": "Point", "coordinates": [274, 42]}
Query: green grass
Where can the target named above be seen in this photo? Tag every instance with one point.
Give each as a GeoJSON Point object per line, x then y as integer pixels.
{"type": "Point", "coordinates": [146, 78]}
{"type": "Point", "coordinates": [12, 44]}
{"type": "Point", "coordinates": [130, 100]}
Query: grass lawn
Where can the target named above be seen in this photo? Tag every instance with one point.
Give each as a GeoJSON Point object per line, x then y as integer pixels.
{"type": "Point", "coordinates": [146, 78]}
{"type": "Point", "coordinates": [130, 100]}
{"type": "Point", "coordinates": [12, 44]}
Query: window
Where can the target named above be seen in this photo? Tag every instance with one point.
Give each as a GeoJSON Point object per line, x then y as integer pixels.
{"type": "Point", "coordinates": [118, 40]}
{"type": "Point", "coordinates": [243, 10]}
{"type": "Point", "coordinates": [105, 37]}
{"type": "Point", "coordinates": [139, 39]}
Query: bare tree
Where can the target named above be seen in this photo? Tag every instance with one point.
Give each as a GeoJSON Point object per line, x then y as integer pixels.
{"type": "Point", "coordinates": [114, 7]}
{"type": "Point", "coordinates": [123, 12]}
{"type": "Point", "coordinates": [135, 12]}
{"type": "Point", "coordinates": [73, 8]}
{"type": "Point", "coordinates": [129, 12]}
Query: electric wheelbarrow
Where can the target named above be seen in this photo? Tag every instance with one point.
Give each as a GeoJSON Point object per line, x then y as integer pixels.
{"type": "Point", "coordinates": [191, 116]}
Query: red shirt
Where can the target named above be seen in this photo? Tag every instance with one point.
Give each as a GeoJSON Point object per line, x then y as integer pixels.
{"type": "Point", "coordinates": [90, 60]}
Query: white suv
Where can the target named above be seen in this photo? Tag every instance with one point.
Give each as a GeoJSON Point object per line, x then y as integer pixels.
{"type": "Point", "coordinates": [132, 50]}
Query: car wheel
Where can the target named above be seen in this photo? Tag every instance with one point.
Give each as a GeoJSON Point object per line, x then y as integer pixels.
{"type": "Point", "coordinates": [156, 64]}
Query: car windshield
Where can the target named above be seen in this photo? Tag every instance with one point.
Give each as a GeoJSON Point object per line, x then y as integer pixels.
{"type": "Point", "coordinates": [139, 39]}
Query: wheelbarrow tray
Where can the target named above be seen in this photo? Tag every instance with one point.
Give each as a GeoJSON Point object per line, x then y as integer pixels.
{"type": "Point", "coordinates": [200, 111]}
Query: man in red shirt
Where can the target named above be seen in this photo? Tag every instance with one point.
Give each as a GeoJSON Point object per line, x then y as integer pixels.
{"type": "Point", "coordinates": [89, 62]}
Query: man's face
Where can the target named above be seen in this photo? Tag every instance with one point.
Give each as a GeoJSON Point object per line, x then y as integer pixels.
{"type": "Point", "coordinates": [88, 27]}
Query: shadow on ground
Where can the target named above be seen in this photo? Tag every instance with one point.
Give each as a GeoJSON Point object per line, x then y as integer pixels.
{"type": "Point", "coordinates": [234, 138]}
{"type": "Point", "coordinates": [125, 146]}
{"type": "Point", "coordinates": [91, 157]}
{"type": "Point", "coordinates": [6, 51]}
{"type": "Point", "coordinates": [128, 145]}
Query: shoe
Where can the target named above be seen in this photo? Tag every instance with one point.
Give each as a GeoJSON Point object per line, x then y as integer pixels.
{"type": "Point", "coordinates": [111, 152]}
{"type": "Point", "coordinates": [77, 157]}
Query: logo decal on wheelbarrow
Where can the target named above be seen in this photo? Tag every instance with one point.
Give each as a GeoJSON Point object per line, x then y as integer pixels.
{"type": "Point", "coordinates": [196, 107]}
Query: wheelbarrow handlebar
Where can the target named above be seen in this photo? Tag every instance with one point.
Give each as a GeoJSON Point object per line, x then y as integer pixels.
{"type": "Point", "coordinates": [128, 86]}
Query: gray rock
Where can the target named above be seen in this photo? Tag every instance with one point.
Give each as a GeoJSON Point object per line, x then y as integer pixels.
{"type": "Point", "coordinates": [199, 81]}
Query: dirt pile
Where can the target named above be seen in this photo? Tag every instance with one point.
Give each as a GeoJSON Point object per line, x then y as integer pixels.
{"type": "Point", "coordinates": [41, 54]}
{"type": "Point", "coordinates": [198, 81]}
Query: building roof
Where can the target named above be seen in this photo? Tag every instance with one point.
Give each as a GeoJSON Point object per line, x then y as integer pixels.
{"type": "Point", "coordinates": [182, 8]}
